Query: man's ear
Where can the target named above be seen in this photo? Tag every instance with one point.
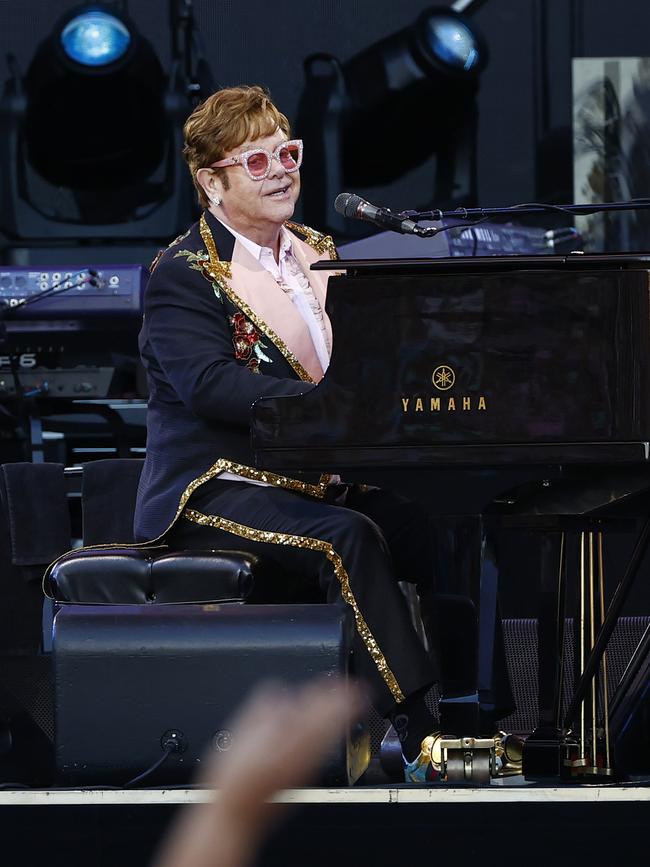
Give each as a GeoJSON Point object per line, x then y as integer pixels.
{"type": "Point", "coordinates": [210, 183]}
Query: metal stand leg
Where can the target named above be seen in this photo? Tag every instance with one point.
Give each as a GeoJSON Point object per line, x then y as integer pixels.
{"type": "Point", "coordinates": [36, 439]}
{"type": "Point", "coordinates": [545, 752]}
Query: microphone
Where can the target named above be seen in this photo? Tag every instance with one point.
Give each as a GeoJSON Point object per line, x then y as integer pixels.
{"type": "Point", "coordinates": [351, 205]}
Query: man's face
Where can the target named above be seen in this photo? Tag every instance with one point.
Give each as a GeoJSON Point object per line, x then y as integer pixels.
{"type": "Point", "coordinates": [255, 204]}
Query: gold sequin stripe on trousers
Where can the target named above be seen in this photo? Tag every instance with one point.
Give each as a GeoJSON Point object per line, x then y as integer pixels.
{"type": "Point", "coordinates": [220, 466]}
{"type": "Point", "coordinates": [339, 570]}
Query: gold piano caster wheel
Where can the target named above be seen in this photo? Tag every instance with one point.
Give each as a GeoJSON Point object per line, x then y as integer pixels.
{"type": "Point", "coordinates": [469, 767]}
{"type": "Point", "coordinates": [468, 760]}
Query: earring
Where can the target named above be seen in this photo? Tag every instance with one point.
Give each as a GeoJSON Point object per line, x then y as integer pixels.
{"type": "Point", "coordinates": [216, 201]}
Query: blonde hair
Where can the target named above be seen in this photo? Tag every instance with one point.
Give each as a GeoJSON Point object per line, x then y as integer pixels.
{"type": "Point", "coordinates": [224, 121]}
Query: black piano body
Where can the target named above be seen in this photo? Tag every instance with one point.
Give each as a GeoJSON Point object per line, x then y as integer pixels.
{"type": "Point", "coordinates": [492, 361]}
{"type": "Point", "coordinates": [529, 376]}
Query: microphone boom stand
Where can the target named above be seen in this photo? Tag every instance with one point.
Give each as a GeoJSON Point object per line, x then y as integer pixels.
{"type": "Point", "coordinates": [477, 215]}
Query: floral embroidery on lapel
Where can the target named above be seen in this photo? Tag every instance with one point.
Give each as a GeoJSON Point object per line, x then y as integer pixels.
{"type": "Point", "coordinates": [247, 341]}
{"type": "Point", "coordinates": [200, 261]}
{"type": "Point", "coordinates": [220, 271]}
{"type": "Point", "coordinates": [160, 253]}
{"type": "Point", "coordinates": [179, 239]}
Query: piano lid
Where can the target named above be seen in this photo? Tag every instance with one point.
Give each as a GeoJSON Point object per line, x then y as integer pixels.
{"type": "Point", "coordinates": [468, 264]}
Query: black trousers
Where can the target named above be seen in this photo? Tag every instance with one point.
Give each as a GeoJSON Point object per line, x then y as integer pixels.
{"type": "Point", "coordinates": [356, 545]}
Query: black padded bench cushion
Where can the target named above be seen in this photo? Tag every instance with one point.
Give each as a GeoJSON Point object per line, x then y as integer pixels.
{"type": "Point", "coordinates": [126, 576]}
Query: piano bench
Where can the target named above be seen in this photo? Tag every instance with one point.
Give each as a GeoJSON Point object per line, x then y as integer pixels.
{"type": "Point", "coordinates": [107, 575]}
{"type": "Point", "coordinates": [148, 642]}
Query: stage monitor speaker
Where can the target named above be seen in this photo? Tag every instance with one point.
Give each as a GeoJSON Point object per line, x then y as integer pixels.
{"type": "Point", "coordinates": [130, 679]}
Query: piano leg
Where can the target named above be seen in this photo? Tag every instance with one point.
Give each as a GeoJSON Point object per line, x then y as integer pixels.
{"type": "Point", "coordinates": [550, 628]}
{"type": "Point", "coordinates": [495, 693]}
{"type": "Point", "coordinates": [454, 623]}
{"type": "Point", "coordinates": [458, 554]}
{"type": "Point", "coordinates": [545, 751]}
{"type": "Point", "coordinates": [475, 685]}
{"type": "Point", "coordinates": [457, 637]}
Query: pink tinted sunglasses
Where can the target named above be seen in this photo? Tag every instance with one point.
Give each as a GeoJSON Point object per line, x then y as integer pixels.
{"type": "Point", "coordinates": [257, 162]}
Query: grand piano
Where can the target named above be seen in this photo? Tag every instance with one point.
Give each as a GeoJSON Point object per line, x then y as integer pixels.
{"type": "Point", "coordinates": [530, 377]}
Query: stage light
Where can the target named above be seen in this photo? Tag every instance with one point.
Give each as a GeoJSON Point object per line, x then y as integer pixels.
{"type": "Point", "coordinates": [451, 42]}
{"type": "Point", "coordinates": [91, 134]}
{"type": "Point", "coordinates": [95, 38]}
{"type": "Point", "coordinates": [396, 123]}
{"type": "Point", "coordinates": [91, 125]}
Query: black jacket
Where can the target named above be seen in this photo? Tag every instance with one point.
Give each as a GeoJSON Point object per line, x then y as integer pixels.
{"type": "Point", "coordinates": [208, 357]}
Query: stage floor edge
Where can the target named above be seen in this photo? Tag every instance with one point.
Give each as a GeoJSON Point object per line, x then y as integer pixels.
{"type": "Point", "coordinates": [493, 794]}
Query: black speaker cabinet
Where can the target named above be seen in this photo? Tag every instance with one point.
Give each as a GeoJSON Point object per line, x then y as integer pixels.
{"type": "Point", "coordinates": [128, 678]}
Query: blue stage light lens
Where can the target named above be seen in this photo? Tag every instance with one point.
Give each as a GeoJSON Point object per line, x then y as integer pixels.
{"type": "Point", "coordinates": [452, 43]}
{"type": "Point", "coordinates": [95, 38]}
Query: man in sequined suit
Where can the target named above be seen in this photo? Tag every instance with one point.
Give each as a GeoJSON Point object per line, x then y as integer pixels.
{"type": "Point", "coordinates": [232, 314]}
